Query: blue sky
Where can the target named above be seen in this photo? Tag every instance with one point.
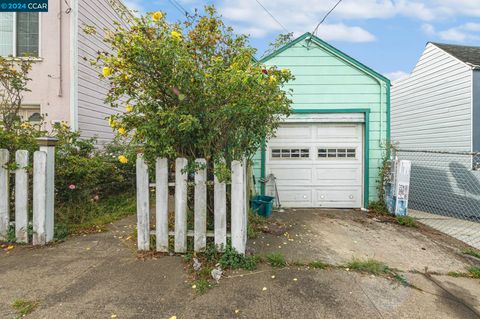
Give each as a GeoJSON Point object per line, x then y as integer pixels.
{"type": "Point", "coordinates": [387, 35]}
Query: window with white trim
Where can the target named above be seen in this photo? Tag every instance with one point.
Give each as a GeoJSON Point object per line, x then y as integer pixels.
{"type": "Point", "coordinates": [19, 34]}
{"type": "Point", "coordinates": [290, 153]}
{"type": "Point", "coordinates": [347, 153]}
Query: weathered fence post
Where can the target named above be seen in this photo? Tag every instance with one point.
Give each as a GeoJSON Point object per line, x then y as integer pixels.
{"type": "Point", "coordinates": [21, 197]}
{"type": "Point", "coordinates": [39, 197]}
{"type": "Point", "coordinates": [181, 205]}
{"type": "Point", "coordinates": [143, 205]}
{"type": "Point", "coordinates": [200, 207]}
{"type": "Point", "coordinates": [238, 207]}
{"type": "Point", "coordinates": [220, 214]}
{"type": "Point", "coordinates": [161, 181]}
{"type": "Point", "coordinates": [47, 145]}
{"type": "Point", "coordinates": [4, 194]}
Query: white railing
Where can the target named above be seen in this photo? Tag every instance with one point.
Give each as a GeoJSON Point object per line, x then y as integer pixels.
{"type": "Point", "coordinates": [43, 190]}
{"type": "Point", "coordinates": [200, 233]}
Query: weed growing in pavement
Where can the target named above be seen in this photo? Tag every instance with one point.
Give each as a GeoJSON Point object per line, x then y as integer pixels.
{"type": "Point", "coordinates": [472, 252]}
{"type": "Point", "coordinates": [371, 266]}
{"type": "Point", "coordinates": [24, 307]}
{"type": "Point", "coordinates": [276, 260]}
{"type": "Point", "coordinates": [474, 272]}
{"type": "Point", "coordinates": [406, 221]}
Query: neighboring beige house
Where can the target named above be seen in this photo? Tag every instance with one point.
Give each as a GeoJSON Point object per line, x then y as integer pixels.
{"type": "Point", "coordinates": [64, 86]}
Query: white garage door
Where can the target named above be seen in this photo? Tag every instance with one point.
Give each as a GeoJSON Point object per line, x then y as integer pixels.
{"type": "Point", "coordinates": [317, 165]}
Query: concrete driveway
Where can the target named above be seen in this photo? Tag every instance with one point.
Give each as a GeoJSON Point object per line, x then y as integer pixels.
{"type": "Point", "coordinates": [100, 276]}
{"type": "Point", "coordinates": [338, 236]}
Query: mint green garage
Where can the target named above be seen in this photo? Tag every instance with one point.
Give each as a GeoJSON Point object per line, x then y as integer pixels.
{"type": "Point", "coordinates": [329, 152]}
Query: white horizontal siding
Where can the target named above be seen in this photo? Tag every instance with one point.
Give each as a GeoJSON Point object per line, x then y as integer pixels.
{"type": "Point", "coordinates": [432, 108]}
{"type": "Point", "coordinates": [92, 110]}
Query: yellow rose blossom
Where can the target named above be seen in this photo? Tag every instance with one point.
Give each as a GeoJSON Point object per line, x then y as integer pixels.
{"type": "Point", "coordinates": [272, 79]}
{"type": "Point", "coordinates": [25, 125]}
{"type": "Point", "coordinates": [176, 35]}
{"type": "Point", "coordinates": [106, 71]}
{"type": "Point", "coordinates": [122, 131]}
{"type": "Point", "coordinates": [157, 15]}
{"type": "Point", "coordinates": [123, 159]}
{"type": "Point", "coordinates": [285, 71]}
{"type": "Point", "coordinates": [129, 108]}
{"type": "Point", "coordinates": [111, 122]}
{"type": "Point", "coordinates": [126, 77]}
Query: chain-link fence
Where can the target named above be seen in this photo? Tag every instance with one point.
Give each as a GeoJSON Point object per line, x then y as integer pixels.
{"type": "Point", "coordinates": [445, 191]}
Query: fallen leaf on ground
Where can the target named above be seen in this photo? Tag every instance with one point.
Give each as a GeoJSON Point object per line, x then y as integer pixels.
{"type": "Point", "coordinates": [194, 287]}
{"type": "Point", "coordinates": [10, 247]}
{"type": "Point", "coordinates": [237, 311]}
{"type": "Point", "coordinates": [113, 316]}
{"type": "Point", "coordinates": [264, 289]}
{"type": "Point", "coordinates": [273, 277]}
{"type": "Point", "coordinates": [295, 279]}
{"type": "Point", "coordinates": [173, 317]}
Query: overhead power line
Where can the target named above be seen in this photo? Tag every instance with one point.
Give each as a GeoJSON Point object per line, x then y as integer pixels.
{"type": "Point", "coordinates": [325, 17]}
{"type": "Point", "coordinates": [179, 7]}
{"type": "Point", "coordinates": [272, 16]}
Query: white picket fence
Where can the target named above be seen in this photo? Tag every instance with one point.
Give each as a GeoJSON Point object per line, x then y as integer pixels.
{"type": "Point", "coordinates": [238, 231]}
{"type": "Point", "coordinates": [43, 192]}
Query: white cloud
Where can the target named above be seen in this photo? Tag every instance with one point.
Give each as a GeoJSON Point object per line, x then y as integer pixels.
{"type": "Point", "coordinates": [428, 29]}
{"type": "Point", "coordinates": [397, 75]}
{"type": "Point", "coordinates": [303, 15]}
{"type": "Point", "coordinates": [342, 32]}
{"type": "Point", "coordinates": [462, 33]}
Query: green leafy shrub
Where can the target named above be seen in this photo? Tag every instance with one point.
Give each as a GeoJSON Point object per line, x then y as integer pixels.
{"type": "Point", "coordinates": [318, 265]}
{"type": "Point", "coordinates": [193, 89]}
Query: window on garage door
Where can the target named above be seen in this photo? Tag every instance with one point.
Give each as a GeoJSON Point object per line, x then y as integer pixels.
{"type": "Point", "coordinates": [290, 153]}
{"type": "Point", "coordinates": [337, 153]}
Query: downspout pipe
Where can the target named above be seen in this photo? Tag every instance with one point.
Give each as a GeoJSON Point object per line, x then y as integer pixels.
{"type": "Point", "coordinates": [60, 49]}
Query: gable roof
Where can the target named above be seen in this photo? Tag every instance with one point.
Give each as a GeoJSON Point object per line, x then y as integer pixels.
{"type": "Point", "coordinates": [316, 40]}
{"type": "Point", "coordinates": [467, 54]}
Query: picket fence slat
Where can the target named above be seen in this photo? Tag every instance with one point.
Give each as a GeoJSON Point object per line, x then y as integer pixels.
{"type": "Point", "coordinates": [238, 203]}
{"type": "Point", "coordinates": [21, 197]}
{"type": "Point", "coordinates": [39, 197]}
{"type": "Point", "coordinates": [161, 195]}
{"type": "Point", "coordinates": [181, 205]}
{"type": "Point", "coordinates": [143, 205]}
{"type": "Point", "coordinates": [220, 214]}
{"type": "Point", "coordinates": [200, 206]}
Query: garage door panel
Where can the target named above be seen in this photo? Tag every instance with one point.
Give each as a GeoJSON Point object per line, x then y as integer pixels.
{"type": "Point", "coordinates": [291, 197]}
{"type": "Point", "coordinates": [336, 175]}
{"type": "Point", "coordinates": [294, 132]}
{"type": "Point", "coordinates": [289, 175]}
{"type": "Point", "coordinates": [345, 132]}
{"type": "Point", "coordinates": [340, 197]}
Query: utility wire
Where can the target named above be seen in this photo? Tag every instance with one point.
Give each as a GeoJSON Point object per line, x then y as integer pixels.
{"type": "Point", "coordinates": [273, 17]}
{"type": "Point", "coordinates": [325, 17]}
{"type": "Point", "coordinates": [179, 7]}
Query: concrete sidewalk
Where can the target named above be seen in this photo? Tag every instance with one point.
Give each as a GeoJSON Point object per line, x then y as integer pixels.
{"type": "Point", "coordinates": [99, 276]}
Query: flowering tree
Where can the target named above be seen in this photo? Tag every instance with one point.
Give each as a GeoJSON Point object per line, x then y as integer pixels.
{"type": "Point", "coordinates": [191, 89]}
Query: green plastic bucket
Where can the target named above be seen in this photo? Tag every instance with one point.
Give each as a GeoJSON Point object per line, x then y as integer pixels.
{"type": "Point", "coordinates": [262, 205]}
